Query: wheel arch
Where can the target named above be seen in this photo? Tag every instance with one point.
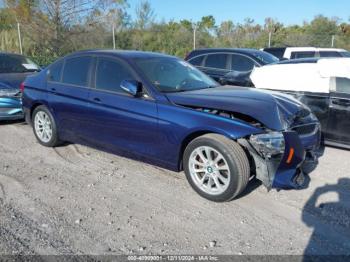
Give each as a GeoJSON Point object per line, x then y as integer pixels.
{"type": "Point", "coordinates": [193, 135]}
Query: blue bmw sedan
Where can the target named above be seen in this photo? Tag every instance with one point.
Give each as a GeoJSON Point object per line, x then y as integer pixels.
{"type": "Point", "coordinates": [162, 110]}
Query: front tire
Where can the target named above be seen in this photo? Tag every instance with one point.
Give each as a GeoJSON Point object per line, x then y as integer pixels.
{"type": "Point", "coordinates": [44, 127]}
{"type": "Point", "coordinates": [216, 167]}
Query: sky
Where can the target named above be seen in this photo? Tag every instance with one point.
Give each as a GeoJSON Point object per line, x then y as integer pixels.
{"type": "Point", "coordinates": [288, 12]}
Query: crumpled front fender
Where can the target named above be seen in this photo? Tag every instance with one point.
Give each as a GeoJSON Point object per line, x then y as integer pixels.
{"type": "Point", "coordinates": [284, 171]}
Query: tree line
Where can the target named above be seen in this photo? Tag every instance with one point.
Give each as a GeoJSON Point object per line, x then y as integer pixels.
{"type": "Point", "coordinates": [52, 28]}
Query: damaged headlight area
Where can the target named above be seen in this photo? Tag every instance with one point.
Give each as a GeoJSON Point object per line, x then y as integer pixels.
{"type": "Point", "coordinates": [269, 144]}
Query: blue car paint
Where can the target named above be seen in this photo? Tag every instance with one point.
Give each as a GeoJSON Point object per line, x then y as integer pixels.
{"type": "Point", "coordinates": [157, 128]}
{"type": "Point", "coordinates": [286, 172]}
{"type": "Point", "coordinates": [10, 108]}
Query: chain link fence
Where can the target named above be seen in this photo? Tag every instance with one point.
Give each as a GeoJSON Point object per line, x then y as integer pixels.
{"type": "Point", "coordinates": [45, 47]}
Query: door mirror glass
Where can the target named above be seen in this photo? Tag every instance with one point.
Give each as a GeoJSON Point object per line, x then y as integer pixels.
{"type": "Point", "coordinates": [131, 87]}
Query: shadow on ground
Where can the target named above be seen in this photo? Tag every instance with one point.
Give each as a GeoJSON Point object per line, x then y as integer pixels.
{"type": "Point", "coordinates": [327, 219]}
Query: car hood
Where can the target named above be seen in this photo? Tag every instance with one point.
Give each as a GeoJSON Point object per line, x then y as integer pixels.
{"type": "Point", "coordinates": [274, 110]}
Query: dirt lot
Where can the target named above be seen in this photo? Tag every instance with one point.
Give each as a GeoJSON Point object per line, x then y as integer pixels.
{"type": "Point", "coordinates": [76, 200]}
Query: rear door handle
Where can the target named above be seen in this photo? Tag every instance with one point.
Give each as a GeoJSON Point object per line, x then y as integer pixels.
{"type": "Point", "coordinates": [97, 100]}
{"type": "Point", "coordinates": [53, 90]}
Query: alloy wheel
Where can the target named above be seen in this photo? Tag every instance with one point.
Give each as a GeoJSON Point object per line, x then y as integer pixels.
{"type": "Point", "coordinates": [209, 170]}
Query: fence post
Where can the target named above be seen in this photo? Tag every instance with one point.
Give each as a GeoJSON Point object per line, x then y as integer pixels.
{"type": "Point", "coordinates": [194, 36]}
{"type": "Point", "coordinates": [113, 33]}
{"type": "Point", "coordinates": [19, 38]}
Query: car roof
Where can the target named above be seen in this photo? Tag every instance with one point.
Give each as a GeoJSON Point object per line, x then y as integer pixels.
{"type": "Point", "coordinates": [305, 48]}
{"type": "Point", "coordinates": [247, 51]}
{"type": "Point", "coordinates": [121, 53]}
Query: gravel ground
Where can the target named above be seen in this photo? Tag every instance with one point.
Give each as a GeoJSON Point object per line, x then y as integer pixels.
{"type": "Point", "coordinates": [76, 200]}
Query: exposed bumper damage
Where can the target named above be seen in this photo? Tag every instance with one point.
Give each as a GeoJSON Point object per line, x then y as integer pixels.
{"type": "Point", "coordinates": [288, 170]}
{"type": "Point", "coordinates": [11, 108]}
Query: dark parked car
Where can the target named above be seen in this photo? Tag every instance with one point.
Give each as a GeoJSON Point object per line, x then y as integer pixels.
{"type": "Point", "coordinates": [13, 70]}
{"type": "Point", "coordinates": [323, 84]}
{"type": "Point", "coordinates": [230, 66]}
{"type": "Point", "coordinates": [164, 111]}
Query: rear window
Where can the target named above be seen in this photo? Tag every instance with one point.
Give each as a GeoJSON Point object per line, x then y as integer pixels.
{"type": "Point", "coordinates": [265, 58]}
{"type": "Point", "coordinates": [216, 61]}
{"type": "Point", "coordinates": [304, 54]}
{"type": "Point", "coordinates": [76, 71]}
{"type": "Point", "coordinates": [329, 54]}
{"type": "Point", "coordinates": [196, 61]}
{"type": "Point", "coordinates": [17, 64]}
{"type": "Point", "coordinates": [277, 52]}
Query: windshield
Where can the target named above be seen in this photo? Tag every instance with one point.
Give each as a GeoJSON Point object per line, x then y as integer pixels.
{"type": "Point", "coordinates": [345, 54]}
{"type": "Point", "coordinates": [265, 57]}
{"type": "Point", "coordinates": [17, 64]}
{"type": "Point", "coordinates": [173, 75]}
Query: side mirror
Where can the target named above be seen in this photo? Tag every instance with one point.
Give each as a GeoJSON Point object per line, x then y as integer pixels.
{"type": "Point", "coordinates": [131, 87]}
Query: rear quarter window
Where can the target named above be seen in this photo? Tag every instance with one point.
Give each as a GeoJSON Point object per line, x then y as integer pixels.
{"type": "Point", "coordinates": [55, 72]}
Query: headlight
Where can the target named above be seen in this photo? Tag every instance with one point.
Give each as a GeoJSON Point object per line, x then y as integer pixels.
{"type": "Point", "coordinates": [269, 144]}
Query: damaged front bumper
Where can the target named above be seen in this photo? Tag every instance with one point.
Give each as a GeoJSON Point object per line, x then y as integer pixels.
{"type": "Point", "coordinates": [287, 170]}
{"type": "Point", "coordinates": [11, 108]}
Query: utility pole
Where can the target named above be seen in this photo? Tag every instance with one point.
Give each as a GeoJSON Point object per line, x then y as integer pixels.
{"type": "Point", "coordinates": [19, 38]}
{"type": "Point", "coordinates": [270, 36]}
{"type": "Point", "coordinates": [333, 40]}
{"type": "Point", "coordinates": [194, 36]}
{"type": "Point", "coordinates": [113, 29]}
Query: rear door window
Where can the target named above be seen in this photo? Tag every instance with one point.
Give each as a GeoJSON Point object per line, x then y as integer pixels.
{"type": "Point", "coordinates": [218, 61]}
{"type": "Point", "coordinates": [110, 73]}
{"type": "Point", "coordinates": [76, 71]}
{"type": "Point", "coordinates": [241, 63]}
{"type": "Point", "coordinates": [304, 54]}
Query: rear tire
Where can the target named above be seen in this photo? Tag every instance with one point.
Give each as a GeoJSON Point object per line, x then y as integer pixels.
{"type": "Point", "coordinates": [216, 167]}
{"type": "Point", "coordinates": [44, 127]}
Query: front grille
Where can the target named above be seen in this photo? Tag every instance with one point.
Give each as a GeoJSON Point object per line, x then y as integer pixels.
{"type": "Point", "coordinates": [304, 130]}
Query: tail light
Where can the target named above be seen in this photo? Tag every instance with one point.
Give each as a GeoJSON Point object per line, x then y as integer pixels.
{"type": "Point", "coordinates": [21, 87]}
